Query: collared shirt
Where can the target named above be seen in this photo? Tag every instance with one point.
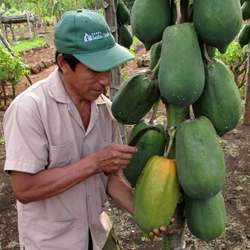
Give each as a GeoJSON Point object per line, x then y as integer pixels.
{"type": "Point", "coordinates": [43, 129]}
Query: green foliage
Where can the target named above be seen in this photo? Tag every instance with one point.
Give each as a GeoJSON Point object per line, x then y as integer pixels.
{"type": "Point", "coordinates": [48, 7]}
{"type": "Point", "coordinates": [242, 92]}
{"type": "Point", "coordinates": [24, 45]}
{"type": "Point", "coordinates": [233, 55]}
{"type": "Point", "coordinates": [235, 58]}
{"type": "Point", "coordinates": [124, 75]}
{"type": "Point", "coordinates": [49, 20]}
{"type": "Point", "coordinates": [11, 68]}
{"type": "Point", "coordinates": [13, 12]}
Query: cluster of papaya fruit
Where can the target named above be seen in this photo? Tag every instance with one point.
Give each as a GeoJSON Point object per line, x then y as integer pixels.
{"type": "Point", "coordinates": [244, 35]}
{"type": "Point", "coordinates": [184, 162]}
{"type": "Point", "coordinates": [123, 19]}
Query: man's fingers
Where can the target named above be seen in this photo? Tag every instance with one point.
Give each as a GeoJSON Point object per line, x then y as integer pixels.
{"type": "Point", "coordinates": [151, 236]}
{"type": "Point", "coordinates": [173, 221]}
{"type": "Point", "coordinates": [125, 156]}
{"type": "Point", "coordinates": [114, 157]}
{"type": "Point", "coordinates": [121, 163]}
{"type": "Point", "coordinates": [123, 148]}
{"type": "Point", "coordinates": [157, 232]}
{"type": "Point", "coordinates": [163, 229]}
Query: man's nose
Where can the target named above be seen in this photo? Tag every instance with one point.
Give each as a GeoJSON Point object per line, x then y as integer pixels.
{"type": "Point", "coordinates": [104, 78]}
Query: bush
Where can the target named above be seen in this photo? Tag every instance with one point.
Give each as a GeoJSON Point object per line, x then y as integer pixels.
{"type": "Point", "coordinates": [236, 58]}
{"type": "Point", "coordinates": [11, 68]}
{"type": "Point", "coordinates": [233, 55]}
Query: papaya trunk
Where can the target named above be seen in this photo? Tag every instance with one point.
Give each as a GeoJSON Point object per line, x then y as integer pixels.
{"type": "Point", "coordinates": [176, 115]}
{"type": "Point", "coordinates": [247, 98]}
{"type": "Point", "coordinates": [176, 241]}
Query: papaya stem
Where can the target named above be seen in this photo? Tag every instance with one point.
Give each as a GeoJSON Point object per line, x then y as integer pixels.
{"type": "Point", "coordinates": [189, 11]}
{"type": "Point", "coordinates": [155, 71]}
{"type": "Point", "coordinates": [176, 115]}
{"type": "Point", "coordinates": [171, 133]}
{"type": "Point", "coordinates": [176, 241]}
{"type": "Point", "coordinates": [207, 57]}
{"type": "Point", "coordinates": [178, 11]}
{"type": "Point", "coordinates": [191, 112]}
{"type": "Point", "coordinates": [154, 111]}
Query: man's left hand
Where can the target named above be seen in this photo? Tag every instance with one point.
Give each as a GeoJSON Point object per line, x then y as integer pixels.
{"type": "Point", "coordinates": [171, 229]}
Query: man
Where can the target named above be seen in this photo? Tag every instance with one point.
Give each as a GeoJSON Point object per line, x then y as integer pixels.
{"type": "Point", "coordinates": [63, 147]}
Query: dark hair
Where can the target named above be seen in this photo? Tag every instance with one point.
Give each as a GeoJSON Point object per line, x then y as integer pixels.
{"type": "Point", "coordinates": [70, 59]}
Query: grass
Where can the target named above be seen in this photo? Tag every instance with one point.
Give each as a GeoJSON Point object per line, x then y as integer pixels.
{"type": "Point", "coordinates": [28, 44]}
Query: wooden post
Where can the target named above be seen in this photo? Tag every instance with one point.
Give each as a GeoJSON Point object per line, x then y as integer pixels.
{"type": "Point", "coordinates": [115, 79]}
{"type": "Point", "coordinates": [34, 25]}
{"type": "Point", "coordinates": [6, 31]}
{"type": "Point", "coordinates": [247, 96]}
{"type": "Point", "coordinates": [12, 32]}
{"type": "Point", "coordinates": [29, 24]}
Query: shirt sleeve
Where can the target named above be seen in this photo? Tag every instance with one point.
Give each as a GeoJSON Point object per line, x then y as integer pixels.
{"type": "Point", "coordinates": [25, 139]}
{"type": "Point", "coordinates": [116, 138]}
{"type": "Point", "coordinates": [116, 135]}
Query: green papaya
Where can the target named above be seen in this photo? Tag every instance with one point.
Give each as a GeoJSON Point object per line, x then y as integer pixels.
{"type": "Point", "coordinates": [206, 218]}
{"type": "Point", "coordinates": [149, 19]}
{"type": "Point", "coordinates": [199, 158]}
{"type": "Point", "coordinates": [156, 194]}
{"type": "Point", "coordinates": [151, 143]}
{"type": "Point", "coordinates": [220, 100]}
{"type": "Point", "coordinates": [217, 22]}
{"type": "Point", "coordinates": [141, 126]}
{"type": "Point", "coordinates": [155, 53]}
{"type": "Point", "coordinates": [124, 37]}
{"type": "Point", "coordinates": [135, 98]}
{"type": "Point", "coordinates": [244, 35]}
{"type": "Point", "coordinates": [176, 115]}
{"type": "Point", "coordinates": [245, 8]}
{"type": "Point", "coordinates": [181, 75]}
{"type": "Point", "coordinates": [122, 13]}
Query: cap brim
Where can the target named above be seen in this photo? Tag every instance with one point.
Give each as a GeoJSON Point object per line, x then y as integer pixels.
{"type": "Point", "coordinates": [105, 60]}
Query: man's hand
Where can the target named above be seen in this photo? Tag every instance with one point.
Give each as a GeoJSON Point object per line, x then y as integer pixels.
{"type": "Point", "coordinates": [113, 157]}
{"type": "Point", "coordinates": [171, 229]}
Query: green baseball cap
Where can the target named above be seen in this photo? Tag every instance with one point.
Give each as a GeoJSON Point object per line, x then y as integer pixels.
{"type": "Point", "coordinates": [86, 35]}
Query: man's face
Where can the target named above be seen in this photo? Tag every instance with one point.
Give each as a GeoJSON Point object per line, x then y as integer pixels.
{"type": "Point", "coordinates": [85, 83]}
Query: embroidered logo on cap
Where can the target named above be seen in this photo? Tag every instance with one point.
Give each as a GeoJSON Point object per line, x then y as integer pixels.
{"type": "Point", "coordinates": [89, 37]}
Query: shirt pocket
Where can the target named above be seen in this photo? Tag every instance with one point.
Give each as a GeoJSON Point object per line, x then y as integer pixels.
{"type": "Point", "coordinates": [60, 155]}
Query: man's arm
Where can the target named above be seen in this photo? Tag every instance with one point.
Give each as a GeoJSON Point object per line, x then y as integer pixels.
{"type": "Point", "coordinates": [47, 183]}
{"type": "Point", "coordinates": [120, 191]}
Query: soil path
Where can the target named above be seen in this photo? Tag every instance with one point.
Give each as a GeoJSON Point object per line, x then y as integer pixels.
{"type": "Point", "coordinates": [236, 145]}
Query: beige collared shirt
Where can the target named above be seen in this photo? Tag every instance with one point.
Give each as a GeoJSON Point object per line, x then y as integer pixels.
{"type": "Point", "coordinates": [43, 129]}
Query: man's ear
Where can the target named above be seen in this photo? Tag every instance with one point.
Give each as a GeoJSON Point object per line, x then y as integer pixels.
{"type": "Point", "coordinates": [62, 64]}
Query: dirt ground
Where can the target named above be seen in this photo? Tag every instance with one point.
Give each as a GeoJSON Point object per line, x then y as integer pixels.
{"type": "Point", "coordinates": [236, 145]}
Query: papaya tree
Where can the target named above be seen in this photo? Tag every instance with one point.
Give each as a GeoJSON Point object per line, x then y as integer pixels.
{"type": "Point", "coordinates": [247, 98]}
{"type": "Point", "coordinates": [202, 103]}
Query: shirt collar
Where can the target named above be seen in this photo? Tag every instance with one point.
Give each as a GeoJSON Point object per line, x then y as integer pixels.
{"type": "Point", "coordinates": [56, 88]}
